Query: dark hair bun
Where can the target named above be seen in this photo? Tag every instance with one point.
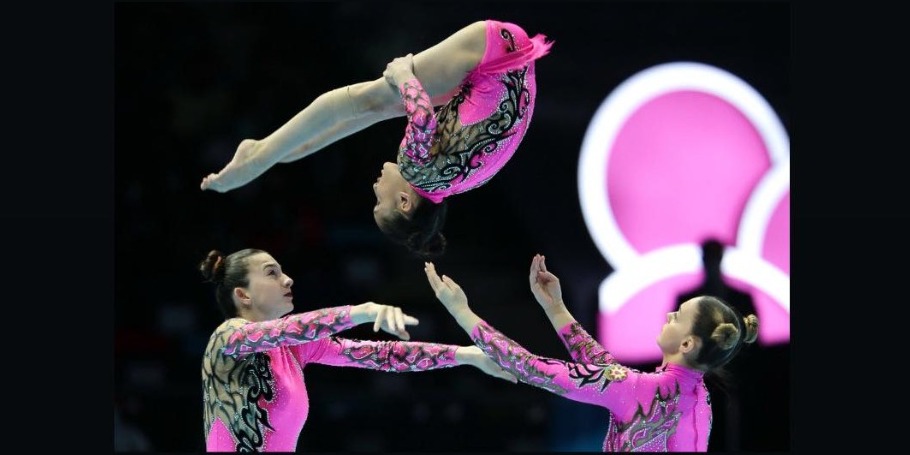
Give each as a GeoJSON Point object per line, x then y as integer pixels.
{"type": "Point", "coordinates": [429, 248]}
{"type": "Point", "coordinates": [212, 267]}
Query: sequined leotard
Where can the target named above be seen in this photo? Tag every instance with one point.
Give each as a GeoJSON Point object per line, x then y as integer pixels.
{"type": "Point", "coordinates": [254, 394]}
{"type": "Point", "coordinates": [470, 138]}
{"type": "Point", "coordinates": [667, 410]}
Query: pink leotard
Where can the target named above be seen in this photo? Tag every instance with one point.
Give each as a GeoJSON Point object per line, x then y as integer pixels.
{"type": "Point", "coordinates": [470, 138]}
{"type": "Point", "coordinates": [667, 410]}
{"type": "Point", "coordinates": [254, 394]}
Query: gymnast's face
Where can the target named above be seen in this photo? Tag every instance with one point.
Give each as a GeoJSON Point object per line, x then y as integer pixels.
{"type": "Point", "coordinates": [268, 295]}
{"type": "Point", "coordinates": [393, 194]}
{"type": "Point", "coordinates": [676, 334]}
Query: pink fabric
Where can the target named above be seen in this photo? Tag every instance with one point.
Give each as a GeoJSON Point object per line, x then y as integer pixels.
{"type": "Point", "coordinates": [667, 410]}
{"type": "Point", "coordinates": [475, 134]}
{"type": "Point", "coordinates": [289, 330]}
{"type": "Point", "coordinates": [267, 403]}
{"type": "Point", "coordinates": [418, 135]}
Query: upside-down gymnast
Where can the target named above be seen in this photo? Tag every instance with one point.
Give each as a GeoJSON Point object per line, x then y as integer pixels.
{"type": "Point", "coordinates": [482, 78]}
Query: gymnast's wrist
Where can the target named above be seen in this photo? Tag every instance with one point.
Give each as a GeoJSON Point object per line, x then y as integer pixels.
{"type": "Point", "coordinates": [404, 76]}
{"type": "Point", "coordinates": [458, 309]}
{"type": "Point", "coordinates": [556, 310]}
{"type": "Point", "coordinates": [363, 313]}
{"type": "Point", "coordinates": [467, 355]}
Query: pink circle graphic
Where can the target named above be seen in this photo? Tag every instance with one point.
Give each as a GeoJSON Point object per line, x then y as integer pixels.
{"type": "Point", "coordinates": [676, 154]}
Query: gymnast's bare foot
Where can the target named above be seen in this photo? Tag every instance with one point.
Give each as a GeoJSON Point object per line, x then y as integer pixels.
{"type": "Point", "coordinates": [242, 169]}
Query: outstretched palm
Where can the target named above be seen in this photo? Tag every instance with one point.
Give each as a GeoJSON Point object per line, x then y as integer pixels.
{"type": "Point", "coordinates": [392, 320]}
{"type": "Point", "coordinates": [241, 170]}
{"type": "Point", "coordinates": [447, 291]}
{"type": "Point", "coordinates": [544, 285]}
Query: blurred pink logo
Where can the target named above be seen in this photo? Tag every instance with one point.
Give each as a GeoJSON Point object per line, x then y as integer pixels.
{"type": "Point", "coordinates": [678, 153]}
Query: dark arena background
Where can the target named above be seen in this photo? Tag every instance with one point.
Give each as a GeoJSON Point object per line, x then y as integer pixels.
{"type": "Point", "coordinates": [194, 79]}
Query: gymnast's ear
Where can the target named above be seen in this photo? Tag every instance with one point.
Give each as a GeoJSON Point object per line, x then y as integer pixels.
{"type": "Point", "coordinates": [689, 344]}
{"type": "Point", "coordinates": [405, 202]}
{"type": "Point", "coordinates": [243, 297]}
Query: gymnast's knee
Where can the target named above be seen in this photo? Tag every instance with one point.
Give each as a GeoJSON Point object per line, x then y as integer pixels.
{"type": "Point", "coordinates": [373, 98]}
